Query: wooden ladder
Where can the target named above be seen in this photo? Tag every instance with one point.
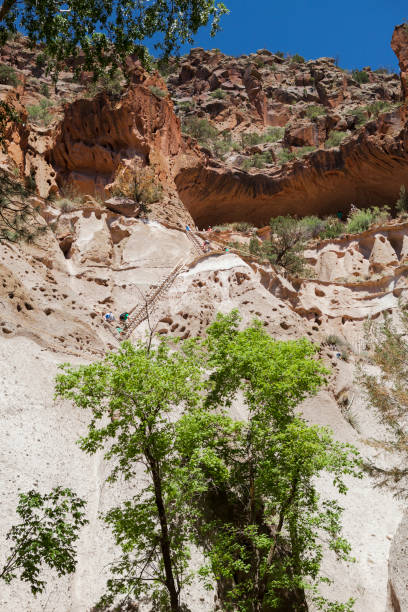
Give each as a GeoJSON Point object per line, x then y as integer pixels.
{"type": "Point", "coordinates": [196, 243]}
{"type": "Point", "coordinates": [143, 311]}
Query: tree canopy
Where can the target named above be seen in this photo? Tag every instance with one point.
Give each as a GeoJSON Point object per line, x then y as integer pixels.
{"type": "Point", "coordinates": [105, 32]}
{"type": "Point", "coordinates": [243, 491]}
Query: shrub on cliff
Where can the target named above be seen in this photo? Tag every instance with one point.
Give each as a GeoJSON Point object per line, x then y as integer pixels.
{"type": "Point", "coordinates": [39, 113]}
{"type": "Point", "coordinates": [200, 129]}
{"type": "Point", "coordinates": [286, 156]}
{"type": "Point", "coordinates": [297, 59]}
{"type": "Point", "coordinates": [159, 93]}
{"type": "Point", "coordinates": [361, 219]}
{"type": "Point", "coordinates": [333, 228]}
{"type": "Point", "coordinates": [218, 94]}
{"type": "Point", "coordinates": [360, 76]}
{"type": "Point", "coordinates": [334, 139]}
{"type": "Point", "coordinates": [8, 76]}
{"type": "Point", "coordinates": [401, 204]}
{"type": "Point", "coordinates": [315, 110]}
{"type": "Point", "coordinates": [259, 160]}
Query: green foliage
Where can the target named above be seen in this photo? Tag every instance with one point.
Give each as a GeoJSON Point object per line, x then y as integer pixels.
{"type": "Point", "coordinates": [333, 228]}
{"type": "Point", "coordinates": [19, 219]}
{"type": "Point", "coordinates": [201, 129]}
{"type": "Point", "coordinates": [47, 534]}
{"type": "Point", "coordinates": [401, 204]}
{"type": "Point", "coordinates": [360, 114]}
{"type": "Point", "coordinates": [313, 225]}
{"type": "Point", "coordinates": [185, 105]}
{"type": "Point", "coordinates": [103, 34]}
{"type": "Point", "coordinates": [39, 113]}
{"type": "Point", "coordinates": [159, 93]}
{"type": "Point", "coordinates": [315, 110]}
{"type": "Point", "coordinates": [245, 492]}
{"type": "Point", "coordinates": [44, 90]}
{"type": "Point", "coordinates": [242, 226]}
{"type": "Point", "coordinates": [377, 107]}
{"type": "Point", "coordinates": [360, 76]}
{"type": "Point", "coordinates": [297, 59]}
{"type": "Point", "coordinates": [272, 134]}
{"type": "Point", "coordinates": [361, 219]}
{"type": "Point", "coordinates": [285, 248]}
{"type": "Point", "coordinates": [109, 83]}
{"type": "Point", "coordinates": [8, 75]}
{"type": "Point", "coordinates": [218, 94]}
{"type": "Point", "coordinates": [334, 139]}
{"type": "Point", "coordinates": [301, 151]}
{"type": "Point", "coordinates": [387, 394]}
{"type": "Point", "coordinates": [286, 156]}
{"type": "Point", "coordinates": [280, 54]}
{"type": "Point", "coordinates": [258, 160]}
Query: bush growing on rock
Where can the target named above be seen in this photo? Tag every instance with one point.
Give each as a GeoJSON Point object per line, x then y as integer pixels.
{"type": "Point", "coordinates": [39, 113]}
{"type": "Point", "coordinates": [401, 204]}
{"type": "Point", "coordinates": [200, 129]}
{"type": "Point", "coordinates": [361, 219]}
{"type": "Point", "coordinates": [360, 76]}
{"type": "Point", "coordinates": [159, 93]}
{"type": "Point", "coordinates": [335, 139]}
{"type": "Point", "coordinates": [360, 114]}
{"type": "Point", "coordinates": [259, 160]}
{"type": "Point", "coordinates": [333, 228]}
{"type": "Point", "coordinates": [286, 156]}
{"type": "Point", "coordinates": [315, 110]}
{"type": "Point", "coordinates": [218, 94]}
{"type": "Point", "coordinates": [8, 76]}
{"type": "Point", "coordinates": [297, 59]}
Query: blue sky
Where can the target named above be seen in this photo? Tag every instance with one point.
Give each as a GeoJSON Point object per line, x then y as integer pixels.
{"type": "Point", "coordinates": [357, 31]}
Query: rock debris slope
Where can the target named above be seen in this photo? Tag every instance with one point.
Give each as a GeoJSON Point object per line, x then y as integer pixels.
{"type": "Point", "coordinates": [98, 255]}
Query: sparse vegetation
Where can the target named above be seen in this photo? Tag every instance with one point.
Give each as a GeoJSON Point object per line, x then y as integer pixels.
{"type": "Point", "coordinates": [286, 156]}
{"type": "Point", "coordinates": [333, 228]}
{"type": "Point", "coordinates": [218, 94]}
{"type": "Point", "coordinates": [359, 113]}
{"type": "Point", "coordinates": [401, 204]}
{"type": "Point", "coordinates": [302, 151]}
{"type": "Point", "coordinates": [200, 129]}
{"type": "Point", "coordinates": [360, 76]}
{"type": "Point", "coordinates": [297, 59]}
{"type": "Point", "coordinates": [39, 113]}
{"type": "Point", "coordinates": [140, 185]}
{"type": "Point", "coordinates": [280, 54]}
{"type": "Point", "coordinates": [334, 139]}
{"type": "Point", "coordinates": [109, 83]}
{"type": "Point", "coordinates": [242, 226]}
{"type": "Point", "coordinates": [8, 76]}
{"type": "Point", "coordinates": [286, 245]}
{"type": "Point", "coordinates": [44, 90]}
{"type": "Point", "coordinates": [259, 160]}
{"type": "Point", "coordinates": [272, 134]}
{"type": "Point", "coordinates": [315, 110]}
{"type": "Point", "coordinates": [159, 93]}
{"type": "Point", "coordinates": [361, 219]}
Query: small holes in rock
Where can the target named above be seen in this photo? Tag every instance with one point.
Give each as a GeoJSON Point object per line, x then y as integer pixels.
{"type": "Point", "coordinates": [19, 308]}
{"type": "Point", "coordinates": [28, 306]}
{"type": "Point", "coordinates": [48, 311]}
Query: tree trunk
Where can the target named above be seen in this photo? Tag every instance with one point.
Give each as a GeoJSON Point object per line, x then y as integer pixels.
{"type": "Point", "coordinates": [164, 538]}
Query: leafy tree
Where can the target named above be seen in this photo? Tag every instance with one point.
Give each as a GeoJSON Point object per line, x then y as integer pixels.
{"type": "Point", "coordinates": [131, 395]}
{"type": "Point", "coordinates": [104, 33]}
{"type": "Point", "coordinates": [387, 394]}
{"type": "Point", "coordinates": [47, 534]}
{"type": "Point", "coordinates": [286, 245]}
{"type": "Point", "coordinates": [243, 491]}
{"type": "Point", "coordinates": [18, 217]}
{"type": "Point", "coordinates": [264, 516]}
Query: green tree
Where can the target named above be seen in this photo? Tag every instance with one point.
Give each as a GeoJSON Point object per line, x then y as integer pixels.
{"type": "Point", "coordinates": [131, 395]}
{"type": "Point", "coordinates": [18, 217]}
{"type": "Point", "coordinates": [47, 534]}
{"type": "Point", "coordinates": [264, 516]}
{"type": "Point", "coordinates": [243, 491]}
{"type": "Point", "coordinates": [286, 245]}
{"type": "Point", "coordinates": [103, 34]}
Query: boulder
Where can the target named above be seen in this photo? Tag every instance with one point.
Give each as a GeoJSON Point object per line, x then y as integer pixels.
{"type": "Point", "coordinates": [123, 206]}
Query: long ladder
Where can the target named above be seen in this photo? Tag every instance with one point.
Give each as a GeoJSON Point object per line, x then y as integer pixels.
{"type": "Point", "coordinates": [196, 243]}
{"type": "Point", "coordinates": [143, 311]}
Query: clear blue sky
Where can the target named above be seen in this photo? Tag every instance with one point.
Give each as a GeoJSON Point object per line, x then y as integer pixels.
{"type": "Point", "coordinates": [357, 31]}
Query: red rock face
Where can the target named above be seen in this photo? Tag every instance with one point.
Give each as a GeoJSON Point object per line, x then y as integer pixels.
{"type": "Point", "coordinates": [399, 44]}
{"type": "Point", "coordinates": [366, 170]}
{"type": "Point", "coordinates": [96, 135]}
